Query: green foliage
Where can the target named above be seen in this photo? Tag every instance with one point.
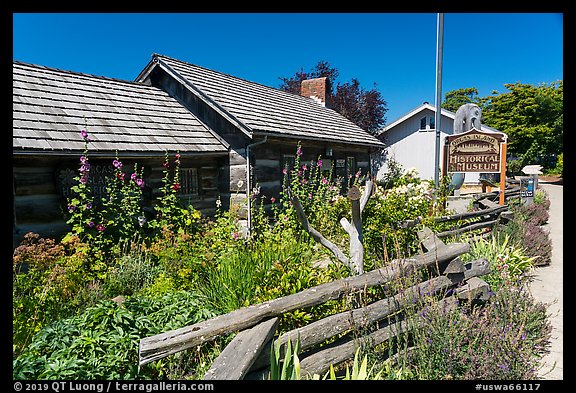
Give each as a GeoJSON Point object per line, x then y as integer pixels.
{"type": "Point", "coordinates": [532, 116]}
{"type": "Point", "coordinates": [410, 198]}
{"type": "Point", "coordinates": [508, 262]}
{"type": "Point", "coordinates": [287, 368]}
{"type": "Point", "coordinates": [169, 211]}
{"type": "Point", "coordinates": [102, 342]}
{"type": "Point", "coordinates": [49, 281]}
{"type": "Point", "coordinates": [456, 98]}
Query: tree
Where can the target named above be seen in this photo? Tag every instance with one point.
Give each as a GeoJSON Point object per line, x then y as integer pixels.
{"type": "Point", "coordinates": [532, 116]}
{"type": "Point", "coordinates": [365, 108]}
{"type": "Point", "coordinates": [454, 99]}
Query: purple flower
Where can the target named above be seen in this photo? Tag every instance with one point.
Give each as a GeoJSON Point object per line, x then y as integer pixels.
{"type": "Point", "coordinates": [304, 167]}
{"type": "Point", "coordinates": [319, 163]}
{"type": "Point", "coordinates": [89, 205]}
{"type": "Point", "coordinates": [299, 151]}
{"type": "Point", "coordinates": [133, 176]}
{"type": "Point", "coordinates": [139, 182]}
{"type": "Point", "coordinates": [84, 179]}
{"type": "Point", "coordinates": [117, 164]}
{"type": "Point", "coordinates": [91, 224]}
{"type": "Point", "coordinates": [84, 134]}
{"type": "Point", "coordinates": [71, 208]}
{"type": "Point", "coordinates": [83, 159]}
{"type": "Point", "coordinates": [85, 168]}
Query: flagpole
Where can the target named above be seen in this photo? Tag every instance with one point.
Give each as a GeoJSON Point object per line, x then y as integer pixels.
{"type": "Point", "coordinates": [439, 50]}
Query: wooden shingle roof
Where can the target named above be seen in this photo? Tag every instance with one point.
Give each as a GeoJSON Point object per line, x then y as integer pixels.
{"type": "Point", "coordinates": [51, 107]}
{"type": "Point", "coordinates": [263, 110]}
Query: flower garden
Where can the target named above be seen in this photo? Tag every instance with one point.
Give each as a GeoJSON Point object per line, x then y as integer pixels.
{"type": "Point", "coordinates": [81, 304]}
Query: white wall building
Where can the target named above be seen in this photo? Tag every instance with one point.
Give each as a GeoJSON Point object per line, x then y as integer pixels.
{"type": "Point", "coordinates": [411, 141]}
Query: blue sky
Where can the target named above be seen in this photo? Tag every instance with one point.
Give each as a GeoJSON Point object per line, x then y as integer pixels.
{"type": "Point", "coordinates": [393, 52]}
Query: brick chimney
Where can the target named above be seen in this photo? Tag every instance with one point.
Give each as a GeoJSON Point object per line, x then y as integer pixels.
{"type": "Point", "coordinates": [316, 88]}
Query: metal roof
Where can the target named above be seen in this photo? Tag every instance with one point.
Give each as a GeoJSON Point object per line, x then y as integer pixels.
{"type": "Point", "coordinates": [51, 107]}
{"type": "Point", "coordinates": [262, 109]}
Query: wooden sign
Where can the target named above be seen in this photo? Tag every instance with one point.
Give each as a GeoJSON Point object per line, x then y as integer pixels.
{"type": "Point", "coordinates": [474, 151]}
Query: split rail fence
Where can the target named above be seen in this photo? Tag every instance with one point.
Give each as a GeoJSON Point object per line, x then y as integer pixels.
{"type": "Point", "coordinates": [247, 356]}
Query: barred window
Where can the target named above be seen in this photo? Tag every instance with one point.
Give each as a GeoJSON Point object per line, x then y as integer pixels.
{"type": "Point", "coordinates": [189, 181]}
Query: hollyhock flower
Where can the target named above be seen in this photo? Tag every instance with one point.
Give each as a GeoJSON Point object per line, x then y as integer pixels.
{"type": "Point", "coordinates": [272, 199]}
{"type": "Point", "coordinates": [324, 181]}
{"type": "Point", "coordinates": [165, 164]}
{"type": "Point", "coordinates": [84, 134]}
{"type": "Point", "coordinates": [84, 179]}
{"type": "Point", "coordinates": [236, 235]}
{"type": "Point", "coordinates": [121, 175]}
{"type": "Point", "coordinates": [71, 208]}
{"type": "Point", "coordinates": [83, 159]}
{"type": "Point", "coordinates": [91, 224]}
{"type": "Point", "coordinates": [319, 163]}
{"type": "Point", "coordinates": [299, 151]}
{"type": "Point", "coordinates": [133, 176]}
{"type": "Point", "coordinates": [117, 164]}
{"type": "Point", "coordinates": [285, 171]}
{"type": "Point", "coordinates": [139, 182]}
{"type": "Point", "coordinates": [141, 220]}
{"type": "Point", "coordinates": [100, 228]}
{"type": "Point", "coordinates": [176, 187]}
{"type": "Point", "coordinates": [304, 167]}
{"type": "Point", "coordinates": [89, 205]}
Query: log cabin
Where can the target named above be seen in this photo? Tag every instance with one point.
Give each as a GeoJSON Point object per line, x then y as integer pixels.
{"type": "Point", "coordinates": [232, 135]}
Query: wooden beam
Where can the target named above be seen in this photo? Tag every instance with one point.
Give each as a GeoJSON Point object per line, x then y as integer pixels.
{"type": "Point", "coordinates": [333, 325]}
{"type": "Point", "coordinates": [164, 344]}
{"type": "Point", "coordinates": [236, 359]}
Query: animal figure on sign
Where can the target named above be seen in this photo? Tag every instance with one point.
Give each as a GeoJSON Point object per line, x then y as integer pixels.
{"type": "Point", "coordinates": [467, 117]}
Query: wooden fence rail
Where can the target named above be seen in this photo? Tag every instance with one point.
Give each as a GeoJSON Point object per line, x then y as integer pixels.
{"type": "Point", "coordinates": [247, 355]}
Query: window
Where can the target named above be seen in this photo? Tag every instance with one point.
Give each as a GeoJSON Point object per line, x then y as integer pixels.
{"type": "Point", "coordinates": [189, 181]}
{"type": "Point", "coordinates": [423, 123]}
{"type": "Point", "coordinates": [350, 167]}
{"type": "Point", "coordinates": [432, 122]}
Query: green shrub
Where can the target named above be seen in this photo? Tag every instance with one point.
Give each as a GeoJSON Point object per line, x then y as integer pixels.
{"type": "Point", "coordinates": [103, 341]}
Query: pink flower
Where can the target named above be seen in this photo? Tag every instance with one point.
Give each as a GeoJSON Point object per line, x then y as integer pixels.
{"type": "Point", "coordinates": [139, 182]}
{"type": "Point", "coordinates": [319, 163]}
{"type": "Point", "coordinates": [272, 199]}
{"type": "Point", "coordinates": [133, 176]}
{"type": "Point", "coordinates": [304, 167]}
{"type": "Point", "coordinates": [309, 196]}
{"type": "Point", "coordinates": [176, 187]}
{"type": "Point", "coordinates": [236, 235]}
{"type": "Point", "coordinates": [100, 228]}
{"type": "Point", "coordinates": [324, 181]}
{"type": "Point", "coordinates": [285, 171]}
{"type": "Point", "coordinates": [83, 159]}
{"type": "Point", "coordinates": [285, 218]}
{"type": "Point", "coordinates": [84, 134]}
{"type": "Point", "coordinates": [299, 151]}
{"type": "Point", "coordinates": [121, 175]}
{"type": "Point", "coordinates": [117, 164]}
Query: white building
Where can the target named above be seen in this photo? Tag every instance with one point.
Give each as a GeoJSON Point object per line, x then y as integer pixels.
{"type": "Point", "coordinates": [411, 141]}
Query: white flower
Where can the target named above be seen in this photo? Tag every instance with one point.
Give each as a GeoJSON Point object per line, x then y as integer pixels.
{"type": "Point", "coordinates": [218, 203]}
{"type": "Point", "coordinates": [240, 183]}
